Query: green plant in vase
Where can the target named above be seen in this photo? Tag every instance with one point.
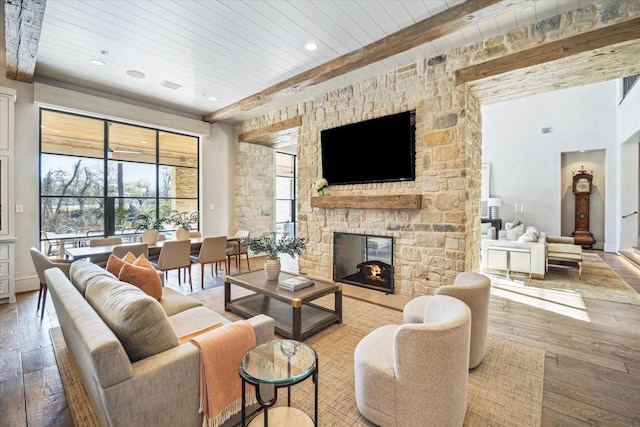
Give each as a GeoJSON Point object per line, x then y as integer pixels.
{"type": "Point", "coordinates": [274, 245]}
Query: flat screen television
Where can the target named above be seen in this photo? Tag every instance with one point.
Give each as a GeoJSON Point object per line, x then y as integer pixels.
{"type": "Point", "coordinates": [376, 150]}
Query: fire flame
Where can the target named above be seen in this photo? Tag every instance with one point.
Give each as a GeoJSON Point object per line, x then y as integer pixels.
{"type": "Point", "coordinates": [375, 270]}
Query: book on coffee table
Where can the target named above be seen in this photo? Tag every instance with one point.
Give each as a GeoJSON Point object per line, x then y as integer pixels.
{"type": "Point", "coordinates": [295, 283]}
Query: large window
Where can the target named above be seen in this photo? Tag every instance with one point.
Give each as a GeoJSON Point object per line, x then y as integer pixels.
{"type": "Point", "coordinates": [286, 194]}
{"type": "Point", "coordinates": [97, 176]}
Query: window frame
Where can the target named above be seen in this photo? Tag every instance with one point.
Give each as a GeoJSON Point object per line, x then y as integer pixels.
{"type": "Point", "coordinates": [109, 225]}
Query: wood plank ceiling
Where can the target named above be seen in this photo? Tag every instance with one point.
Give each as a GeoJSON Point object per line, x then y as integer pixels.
{"type": "Point", "coordinates": [249, 55]}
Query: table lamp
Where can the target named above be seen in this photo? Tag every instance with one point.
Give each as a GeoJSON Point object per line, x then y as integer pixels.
{"type": "Point", "coordinates": [493, 203]}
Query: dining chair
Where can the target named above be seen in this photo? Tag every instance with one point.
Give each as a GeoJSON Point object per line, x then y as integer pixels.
{"type": "Point", "coordinates": [235, 249]}
{"type": "Point", "coordinates": [212, 251]}
{"type": "Point", "coordinates": [101, 260]}
{"type": "Point", "coordinates": [136, 249]}
{"type": "Point", "coordinates": [50, 247]}
{"type": "Point", "coordinates": [175, 255]}
{"type": "Point", "coordinates": [194, 234]}
{"type": "Point", "coordinates": [42, 263]}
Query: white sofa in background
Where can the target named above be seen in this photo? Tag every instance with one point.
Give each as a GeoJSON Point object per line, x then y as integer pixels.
{"type": "Point", "coordinates": [527, 258]}
{"type": "Point", "coordinates": [487, 231]}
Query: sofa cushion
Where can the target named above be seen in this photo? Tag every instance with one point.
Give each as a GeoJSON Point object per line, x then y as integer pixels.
{"type": "Point", "coordinates": [529, 236]}
{"type": "Point", "coordinates": [194, 319]}
{"type": "Point", "coordinates": [145, 278]}
{"type": "Point", "coordinates": [185, 338]}
{"type": "Point", "coordinates": [566, 248]}
{"type": "Point", "coordinates": [83, 271]}
{"type": "Point", "coordinates": [515, 232]}
{"type": "Point", "coordinates": [137, 319]}
{"type": "Point", "coordinates": [174, 302]}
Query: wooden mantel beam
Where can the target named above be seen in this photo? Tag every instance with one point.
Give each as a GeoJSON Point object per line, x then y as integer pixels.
{"type": "Point", "coordinates": [258, 135]}
{"type": "Point", "coordinates": [444, 23]}
{"type": "Point", "coordinates": [23, 25]}
{"type": "Point", "coordinates": [596, 39]}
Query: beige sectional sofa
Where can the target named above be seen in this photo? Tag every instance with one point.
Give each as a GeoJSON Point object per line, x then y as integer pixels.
{"type": "Point", "coordinates": [125, 346]}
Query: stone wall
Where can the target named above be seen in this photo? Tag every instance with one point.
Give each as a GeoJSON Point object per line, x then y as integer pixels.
{"type": "Point", "coordinates": [254, 188]}
{"type": "Point", "coordinates": [431, 243]}
{"type": "Point", "coordinates": [434, 244]}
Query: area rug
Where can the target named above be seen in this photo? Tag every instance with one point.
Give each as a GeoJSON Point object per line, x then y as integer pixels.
{"type": "Point", "coordinates": [81, 410]}
{"type": "Point", "coordinates": [598, 281]}
{"type": "Point", "coordinates": [505, 390]}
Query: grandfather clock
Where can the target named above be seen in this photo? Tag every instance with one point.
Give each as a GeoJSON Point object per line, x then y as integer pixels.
{"type": "Point", "coordinates": [582, 188]}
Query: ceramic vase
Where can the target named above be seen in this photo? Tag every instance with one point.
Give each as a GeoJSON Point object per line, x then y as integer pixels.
{"type": "Point", "coordinates": [150, 237]}
{"type": "Point", "coordinates": [182, 233]}
{"type": "Point", "coordinates": [272, 267]}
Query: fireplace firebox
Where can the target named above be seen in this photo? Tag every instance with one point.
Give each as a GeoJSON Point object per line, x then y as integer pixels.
{"type": "Point", "coordinates": [363, 260]}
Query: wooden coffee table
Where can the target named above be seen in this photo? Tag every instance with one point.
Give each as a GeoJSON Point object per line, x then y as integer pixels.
{"type": "Point", "coordinates": [294, 315]}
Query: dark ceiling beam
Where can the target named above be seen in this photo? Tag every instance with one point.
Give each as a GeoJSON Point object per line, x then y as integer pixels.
{"type": "Point", "coordinates": [442, 24]}
{"type": "Point", "coordinates": [22, 27]}
{"type": "Point", "coordinates": [585, 42]}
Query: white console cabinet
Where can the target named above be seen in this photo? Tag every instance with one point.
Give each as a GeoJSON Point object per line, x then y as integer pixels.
{"type": "Point", "coordinates": [7, 233]}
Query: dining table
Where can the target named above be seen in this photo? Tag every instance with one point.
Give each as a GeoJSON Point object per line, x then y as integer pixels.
{"type": "Point", "coordinates": [101, 251]}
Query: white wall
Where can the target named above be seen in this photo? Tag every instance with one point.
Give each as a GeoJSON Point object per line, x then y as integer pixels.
{"type": "Point", "coordinates": [526, 165]}
{"type": "Point", "coordinates": [628, 130]}
{"type": "Point", "coordinates": [217, 170]}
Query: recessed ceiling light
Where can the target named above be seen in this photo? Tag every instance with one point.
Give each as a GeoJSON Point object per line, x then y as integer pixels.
{"type": "Point", "coordinates": [143, 142]}
{"type": "Point", "coordinates": [311, 46]}
{"type": "Point", "coordinates": [210, 98]}
{"type": "Point", "coordinates": [97, 62]}
{"type": "Point", "coordinates": [135, 74]}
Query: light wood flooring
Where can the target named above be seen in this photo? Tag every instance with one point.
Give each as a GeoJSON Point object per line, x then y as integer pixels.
{"type": "Point", "coordinates": [592, 369]}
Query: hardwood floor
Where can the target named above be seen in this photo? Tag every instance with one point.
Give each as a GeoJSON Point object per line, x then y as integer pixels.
{"type": "Point", "coordinates": [592, 369]}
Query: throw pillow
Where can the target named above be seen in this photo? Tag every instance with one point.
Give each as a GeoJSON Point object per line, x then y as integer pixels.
{"type": "Point", "coordinates": [528, 236]}
{"type": "Point", "coordinates": [515, 232]}
{"type": "Point", "coordinates": [145, 278]}
{"type": "Point", "coordinates": [186, 337]}
{"type": "Point", "coordinates": [114, 264]}
{"type": "Point", "coordinates": [142, 261]}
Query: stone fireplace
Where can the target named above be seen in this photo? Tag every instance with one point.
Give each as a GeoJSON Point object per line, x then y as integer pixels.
{"type": "Point", "coordinates": [363, 260]}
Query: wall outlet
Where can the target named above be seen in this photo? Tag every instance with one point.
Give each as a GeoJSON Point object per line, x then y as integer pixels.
{"type": "Point", "coordinates": [19, 208]}
{"type": "Point", "coordinates": [212, 207]}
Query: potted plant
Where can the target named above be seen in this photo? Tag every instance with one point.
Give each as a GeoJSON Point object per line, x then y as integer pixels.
{"type": "Point", "coordinates": [183, 220]}
{"type": "Point", "coordinates": [148, 222]}
{"type": "Point", "coordinates": [274, 245]}
{"type": "Point", "coordinates": [150, 226]}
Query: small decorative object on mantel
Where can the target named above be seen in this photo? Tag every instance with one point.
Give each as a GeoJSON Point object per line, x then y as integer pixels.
{"type": "Point", "coordinates": [273, 245]}
{"type": "Point", "coordinates": [321, 185]}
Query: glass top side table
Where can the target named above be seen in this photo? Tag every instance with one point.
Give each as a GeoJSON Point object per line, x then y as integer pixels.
{"type": "Point", "coordinates": [279, 363]}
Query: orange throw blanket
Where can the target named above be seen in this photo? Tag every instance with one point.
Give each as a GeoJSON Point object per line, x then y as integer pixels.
{"type": "Point", "coordinates": [220, 385]}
